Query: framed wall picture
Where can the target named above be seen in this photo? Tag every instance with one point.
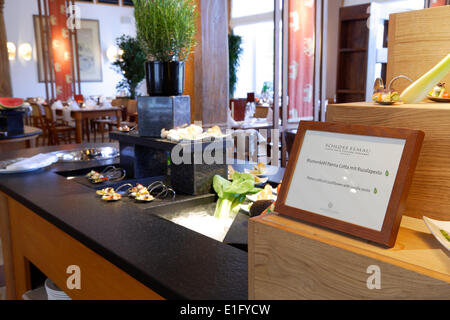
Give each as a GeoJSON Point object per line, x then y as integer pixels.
{"type": "Point", "coordinates": [89, 50]}
{"type": "Point", "coordinates": [127, 2]}
{"type": "Point", "coordinates": [350, 178]}
{"type": "Point", "coordinates": [116, 2]}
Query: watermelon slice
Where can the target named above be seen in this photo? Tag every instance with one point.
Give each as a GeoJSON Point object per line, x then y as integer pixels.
{"type": "Point", "coordinates": [10, 103]}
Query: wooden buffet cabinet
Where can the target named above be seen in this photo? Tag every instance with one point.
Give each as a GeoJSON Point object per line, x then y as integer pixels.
{"type": "Point", "coordinates": [28, 238]}
{"type": "Point", "coordinates": [290, 259]}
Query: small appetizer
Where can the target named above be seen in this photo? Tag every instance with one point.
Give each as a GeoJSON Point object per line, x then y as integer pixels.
{"type": "Point", "coordinates": [259, 169]}
{"type": "Point", "coordinates": [101, 178]}
{"type": "Point", "coordinates": [386, 96]}
{"type": "Point", "coordinates": [214, 132]}
{"type": "Point", "coordinates": [105, 191]}
{"type": "Point", "coordinates": [112, 197]}
{"type": "Point", "coordinates": [259, 180]}
{"type": "Point", "coordinates": [124, 128]}
{"type": "Point", "coordinates": [145, 197]}
{"type": "Point", "coordinates": [96, 177]}
{"type": "Point", "coordinates": [92, 173]}
{"type": "Point", "coordinates": [138, 190]}
{"type": "Point", "coordinates": [266, 193]}
{"type": "Point", "coordinates": [440, 92]}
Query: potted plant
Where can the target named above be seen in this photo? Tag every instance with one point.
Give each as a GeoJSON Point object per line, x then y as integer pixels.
{"type": "Point", "coordinates": [166, 31]}
{"type": "Point", "coordinates": [234, 51]}
{"type": "Point", "coordinates": [130, 64]}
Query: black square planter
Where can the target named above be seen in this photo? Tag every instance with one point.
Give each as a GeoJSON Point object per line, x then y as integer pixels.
{"type": "Point", "coordinates": [157, 113]}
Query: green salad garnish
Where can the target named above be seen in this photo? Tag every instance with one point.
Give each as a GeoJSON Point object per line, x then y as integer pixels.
{"type": "Point", "coordinates": [231, 194]}
{"type": "Point", "coordinates": [445, 234]}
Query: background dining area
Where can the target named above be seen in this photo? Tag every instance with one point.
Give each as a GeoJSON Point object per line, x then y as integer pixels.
{"type": "Point", "coordinates": [283, 65]}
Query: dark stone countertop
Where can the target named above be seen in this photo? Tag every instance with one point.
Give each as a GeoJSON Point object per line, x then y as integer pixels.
{"type": "Point", "coordinates": [174, 261]}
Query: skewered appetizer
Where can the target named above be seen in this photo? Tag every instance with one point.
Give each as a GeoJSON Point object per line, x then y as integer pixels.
{"type": "Point", "coordinates": [440, 92]}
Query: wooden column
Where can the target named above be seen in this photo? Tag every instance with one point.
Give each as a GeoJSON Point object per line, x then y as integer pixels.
{"type": "Point", "coordinates": [210, 64]}
{"type": "Point", "coordinates": [5, 79]}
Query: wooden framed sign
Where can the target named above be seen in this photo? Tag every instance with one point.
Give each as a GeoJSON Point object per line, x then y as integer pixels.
{"type": "Point", "coordinates": [350, 178]}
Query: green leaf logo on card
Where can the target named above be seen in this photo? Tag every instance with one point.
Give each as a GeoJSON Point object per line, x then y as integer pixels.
{"type": "Point", "coordinates": [375, 190]}
{"type": "Point", "coordinates": [387, 173]}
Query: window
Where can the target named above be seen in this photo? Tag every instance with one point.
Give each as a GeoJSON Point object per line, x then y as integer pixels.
{"type": "Point", "coordinates": [253, 21]}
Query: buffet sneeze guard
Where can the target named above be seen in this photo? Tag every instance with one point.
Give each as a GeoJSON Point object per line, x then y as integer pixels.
{"type": "Point", "coordinates": [350, 178]}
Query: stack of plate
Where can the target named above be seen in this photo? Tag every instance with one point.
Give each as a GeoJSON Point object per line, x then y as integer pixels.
{"type": "Point", "coordinates": [53, 292]}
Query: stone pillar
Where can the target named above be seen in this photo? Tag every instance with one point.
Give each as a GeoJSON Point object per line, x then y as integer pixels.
{"type": "Point", "coordinates": [5, 79]}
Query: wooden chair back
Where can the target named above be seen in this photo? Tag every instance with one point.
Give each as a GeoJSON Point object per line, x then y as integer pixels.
{"type": "Point", "coordinates": [49, 115]}
{"type": "Point", "coordinates": [37, 116]}
{"type": "Point", "coordinates": [132, 111]}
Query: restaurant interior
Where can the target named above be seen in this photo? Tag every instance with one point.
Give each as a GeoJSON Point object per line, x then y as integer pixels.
{"type": "Point", "coordinates": [144, 144]}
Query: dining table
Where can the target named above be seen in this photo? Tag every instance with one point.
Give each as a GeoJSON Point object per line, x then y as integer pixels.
{"type": "Point", "coordinates": [82, 114]}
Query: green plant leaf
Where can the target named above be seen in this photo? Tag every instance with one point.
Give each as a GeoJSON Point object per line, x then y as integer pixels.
{"type": "Point", "coordinates": [131, 64]}
{"type": "Point", "coordinates": [166, 28]}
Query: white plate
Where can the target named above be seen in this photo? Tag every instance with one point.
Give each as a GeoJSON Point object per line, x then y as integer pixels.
{"type": "Point", "coordinates": [435, 227]}
{"type": "Point", "coordinates": [5, 171]}
{"type": "Point", "coordinates": [245, 207]}
{"type": "Point", "coordinates": [270, 171]}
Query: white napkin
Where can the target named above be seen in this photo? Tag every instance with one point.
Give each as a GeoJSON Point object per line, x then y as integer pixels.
{"type": "Point", "coordinates": [74, 106]}
{"type": "Point", "coordinates": [90, 104]}
{"type": "Point", "coordinates": [55, 106]}
{"type": "Point", "coordinates": [106, 104]}
{"type": "Point", "coordinates": [38, 161]}
{"type": "Point", "coordinates": [230, 121]}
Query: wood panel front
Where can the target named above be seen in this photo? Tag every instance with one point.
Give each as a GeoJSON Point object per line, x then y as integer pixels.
{"type": "Point", "coordinates": [429, 194]}
{"type": "Point", "coordinates": [418, 40]}
{"type": "Point", "coordinates": [289, 259]}
{"type": "Point", "coordinates": [51, 250]}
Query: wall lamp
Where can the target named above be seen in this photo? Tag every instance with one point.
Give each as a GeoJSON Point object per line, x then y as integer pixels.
{"type": "Point", "coordinates": [25, 51]}
{"type": "Point", "coordinates": [11, 51]}
{"type": "Point", "coordinates": [113, 53]}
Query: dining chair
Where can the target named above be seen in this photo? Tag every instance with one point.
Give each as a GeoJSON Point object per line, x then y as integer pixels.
{"type": "Point", "coordinates": [57, 130]}
{"type": "Point", "coordinates": [37, 119]}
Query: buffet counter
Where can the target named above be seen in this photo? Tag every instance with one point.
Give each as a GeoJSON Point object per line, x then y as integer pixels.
{"type": "Point", "coordinates": [123, 249]}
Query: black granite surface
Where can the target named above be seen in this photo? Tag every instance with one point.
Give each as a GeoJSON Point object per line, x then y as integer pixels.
{"type": "Point", "coordinates": [175, 262]}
